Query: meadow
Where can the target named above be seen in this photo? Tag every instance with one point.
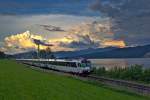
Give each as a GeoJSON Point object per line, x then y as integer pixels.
{"type": "Point", "coordinates": [19, 82]}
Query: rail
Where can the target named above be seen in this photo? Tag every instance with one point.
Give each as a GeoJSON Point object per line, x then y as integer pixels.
{"type": "Point", "coordinates": [135, 87]}
{"type": "Point", "coordinates": [129, 86]}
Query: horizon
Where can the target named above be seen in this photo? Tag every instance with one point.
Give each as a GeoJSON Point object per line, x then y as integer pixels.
{"type": "Point", "coordinates": [35, 50]}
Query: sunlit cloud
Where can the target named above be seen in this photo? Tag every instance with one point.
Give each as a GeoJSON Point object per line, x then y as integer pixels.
{"type": "Point", "coordinates": [86, 35]}
{"type": "Point", "coordinates": [21, 41]}
{"type": "Point", "coordinates": [24, 42]}
{"type": "Point", "coordinates": [116, 43]}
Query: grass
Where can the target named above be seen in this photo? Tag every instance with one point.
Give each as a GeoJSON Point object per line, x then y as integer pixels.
{"type": "Point", "coordinates": [18, 82]}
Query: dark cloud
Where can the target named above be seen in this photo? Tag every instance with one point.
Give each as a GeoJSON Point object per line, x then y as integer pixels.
{"type": "Point", "coordinates": [84, 44]}
{"type": "Point", "coordinates": [26, 7]}
{"type": "Point", "coordinates": [52, 28]}
{"type": "Point", "coordinates": [37, 4]}
{"type": "Point", "coordinates": [132, 17]}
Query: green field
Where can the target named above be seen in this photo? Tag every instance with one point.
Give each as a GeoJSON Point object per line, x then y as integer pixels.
{"type": "Point", "coordinates": [18, 82]}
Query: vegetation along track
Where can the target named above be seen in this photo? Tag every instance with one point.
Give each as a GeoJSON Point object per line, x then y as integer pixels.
{"type": "Point", "coordinates": [132, 86]}
{"type": "Point", "coordinates": [114, 83]}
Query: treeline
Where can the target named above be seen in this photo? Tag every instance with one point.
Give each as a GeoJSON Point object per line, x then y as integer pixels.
{"type": "Point", "coordinates": [2, 55]}
{"type": "Point", "coordinates": [133, 73]}
{"type": "Point", "coordinates": [46, 54]}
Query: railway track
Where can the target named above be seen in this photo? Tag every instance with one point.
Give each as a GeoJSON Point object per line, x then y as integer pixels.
{"type": "Point", "coordinates": [132, 86]}
{"type": "Point", "coordinates": [114, 83]}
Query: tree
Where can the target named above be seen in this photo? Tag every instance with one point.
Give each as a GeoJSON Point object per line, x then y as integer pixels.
{"type": "Point", "coordinates": [47, 53]}
{"type": "Point", "coordinates": [146, 75]}
{"type": "Point", "coordinates": [2, 55]}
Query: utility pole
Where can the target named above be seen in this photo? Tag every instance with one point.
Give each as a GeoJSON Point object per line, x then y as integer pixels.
{"type": "Point", "coordinates": [38, 51]}
{"type": "Point", "coordinates": [38, 43]}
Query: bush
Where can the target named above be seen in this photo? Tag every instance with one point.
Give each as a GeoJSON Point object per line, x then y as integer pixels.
{"type": "Point", "coordinates": [146, 76]}
{"type": "Point", "coordinates": [2, 55]}
{"type": "Point", "coordinates": [114, 72]}
{"type": "Point", "coordinates": [100, 71]}
{"type": "Point", "coordinates": [135, 73]}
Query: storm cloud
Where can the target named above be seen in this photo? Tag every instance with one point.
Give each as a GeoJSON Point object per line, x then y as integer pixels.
{"type": "Point", "coordinates": [131, 18]}
{"type": "Point", "coordinates": [52, 28]}
{"type": "Point", "coordinates": [30, 7]}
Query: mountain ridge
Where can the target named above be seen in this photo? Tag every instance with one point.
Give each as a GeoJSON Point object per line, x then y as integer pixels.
{"type": "Point", "coordinates": [96, 53]}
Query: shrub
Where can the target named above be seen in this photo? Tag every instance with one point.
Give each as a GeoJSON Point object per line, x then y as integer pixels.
{"type": "Point", "coordinates": [100, 71]}
{"type": "Point", "coordinates": [146, 76]}
{"type": "Point", "coordinates": [135, 73]}
{"type": "Point", "coordinates": [114, 72]}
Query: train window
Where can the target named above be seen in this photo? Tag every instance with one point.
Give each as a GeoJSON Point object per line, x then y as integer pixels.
{"type": "Point", "coordinates": [73, 64]}
{"type": "Point", "coordinates": [45, 62]}
{"type": "Point", "coordinates": [50, 62]}
{"type": "Point", "coordinates": [53, 63]}
{"type": "Point", "coordinates": [63, 63]}
{"type": "Point", "coordinates": [60, 63]}
{"type": "Point", "coordinates": [79, 65]}
{"type": "Point", "coordinates": [69, 64]}
{"type": "Point", "coordinates": [83, 65]}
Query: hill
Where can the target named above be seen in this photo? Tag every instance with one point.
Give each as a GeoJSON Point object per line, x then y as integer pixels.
{"type": "Point", "coordinates": [108, 52]}
{"type": "Point", "coordinates": [128, 52]}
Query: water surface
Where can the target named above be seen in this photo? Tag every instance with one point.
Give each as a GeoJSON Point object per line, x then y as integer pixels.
{"type": "Point", "coordinates": [109, 63]}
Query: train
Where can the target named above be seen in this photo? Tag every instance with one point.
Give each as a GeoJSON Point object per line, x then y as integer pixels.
{"type": "Point", "coordinates": [76, 66]}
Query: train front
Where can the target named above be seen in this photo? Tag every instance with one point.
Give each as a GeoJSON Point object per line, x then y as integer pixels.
{"type": "Point", "coordinates": [87, 66]}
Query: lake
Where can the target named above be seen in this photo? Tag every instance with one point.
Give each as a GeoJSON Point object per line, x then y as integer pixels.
{"type": "Point", "coordinates": [109, 63]}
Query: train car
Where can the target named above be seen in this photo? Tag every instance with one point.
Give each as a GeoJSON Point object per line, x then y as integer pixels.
{"type": "Point", "coordinates": [79, 66]}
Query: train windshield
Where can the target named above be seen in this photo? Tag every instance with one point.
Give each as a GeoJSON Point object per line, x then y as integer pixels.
{"type": "Point", "coordinates": [85, 63]}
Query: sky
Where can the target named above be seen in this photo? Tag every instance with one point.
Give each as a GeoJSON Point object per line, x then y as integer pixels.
{"type": "Point", "coordinates": [73, 24]}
